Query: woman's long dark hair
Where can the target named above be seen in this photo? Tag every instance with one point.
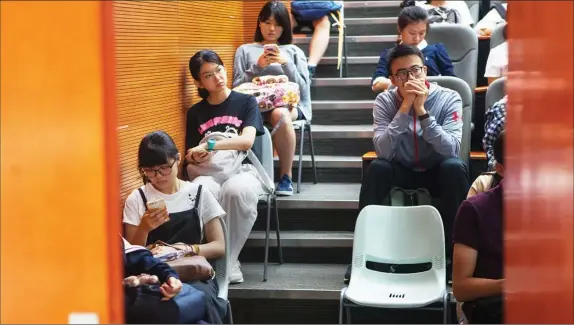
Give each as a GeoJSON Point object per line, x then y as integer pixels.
{"type": "Point", "coordinates": [277, 10]}
{"type": "Point", "coordinates": [195, 63]}
{"type": "Point", "coordinates": [411, 13]}
{"type": "Point", "coordinates": [156, 148]}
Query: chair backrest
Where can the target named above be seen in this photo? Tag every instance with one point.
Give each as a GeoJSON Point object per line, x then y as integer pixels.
{"type": "Point", "coordinates": [399, 235]}
{"type": "Point", "coordinates": [466, 94]}
{"type": "Point", "coordinates": [263, 149]}
{"type": "Point", "coordinates": [497, 37]}
{"type": "Point", "coordinates": [461, 44]}
{"type": "Point", "coordinates": [494, 93]}
{"type": "Point", "coordinates": [222, 265]}
{"type": "Point", "coordinates": [474, 8]}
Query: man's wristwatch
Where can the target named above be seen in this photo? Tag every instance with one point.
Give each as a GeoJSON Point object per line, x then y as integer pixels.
{"type": "Point", "coordinates": [210, 144]}
{"type": "Point", "coordinates": [424, 117]}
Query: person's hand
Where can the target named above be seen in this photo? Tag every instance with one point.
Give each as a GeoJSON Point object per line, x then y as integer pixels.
{"type": "Point", "coordinates": [198, 154]}
{"type": "Point", "coordinates": [154, 218]}
{"type": "Point", "coordinates": [417, 88]}
{"type": "Point", "coordinates": [485, 31]}
{"type": "Point", "coordinates": [263, 60]}
{"type": "Point", "coordinates": [275, 57]}
{"type": "Point", "coordinates": [132, 281]}
{"type": "Point", "coordinates": [148, 279]}
{"type": "Point", "coordinates": [170, 288]}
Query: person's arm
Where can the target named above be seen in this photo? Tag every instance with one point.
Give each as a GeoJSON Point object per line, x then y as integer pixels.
{"type": "Point", "coordinates": [380, 81]}
{"type": "Point", "coordinates": [443, 61]}
{"type": "Point", "coordinates": [465, 286]}
{"type": "Point", "coordinates": [493, 125]}
{"type": "Point", "coordinates": [296, 69]}
{"type": "Point", "coordinates": [446, 138]}
{"type": "Point", "coordinates": [192, 136]}
{"type": "Point", "coordinates": [389, 124]}
{"type": "Point", "coordinates": [142, 261]}
{"type": "Point", "coordinates": [466, 236]}
{"type": "Point", "coordinates": [243, 71]}
{"type": "Point", "coordinates": [215, 246]}
{"type": "Point", "coordinates": [476, 187]}
{"type": "Point", "coordinates": [210, 211]}
{"type": "Point", "coordinates": [133, 212]}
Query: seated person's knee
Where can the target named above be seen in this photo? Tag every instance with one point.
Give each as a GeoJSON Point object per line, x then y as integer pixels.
{"type": "Point", "coordinates": [322, 23]}
{"type": "Point", "coordinates": [453, 165]}
{"type": "Point", "coordinates": [379, 167]}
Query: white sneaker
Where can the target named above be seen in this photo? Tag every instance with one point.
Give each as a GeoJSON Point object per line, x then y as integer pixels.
{"type": "Point", "coordinates": [236, 274]}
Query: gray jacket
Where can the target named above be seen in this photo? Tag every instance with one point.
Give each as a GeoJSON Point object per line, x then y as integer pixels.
{"type": "Point", "coordinates": [437, 137]}
{"type": "Point", "coordinates": [245, 68]}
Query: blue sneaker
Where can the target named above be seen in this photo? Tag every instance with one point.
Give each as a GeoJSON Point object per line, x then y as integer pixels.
{"type": "Point", "coordinates": [285, 186]}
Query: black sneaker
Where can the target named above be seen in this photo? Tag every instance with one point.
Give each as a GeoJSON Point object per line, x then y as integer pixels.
{"type": "Point", "coordinates": [312, 71]}
{"type": "Point", "coordinates": [347, 277]}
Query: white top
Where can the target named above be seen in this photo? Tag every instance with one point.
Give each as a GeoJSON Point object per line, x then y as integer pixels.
{"type": "Point", "coordinates": [497, 63]}
{"type": "Point", "coordinates": [490, 20]}
{"type": "Point", "coordinates": [182, 200]}
{"type": "Point", "coordinates": [460, 6]}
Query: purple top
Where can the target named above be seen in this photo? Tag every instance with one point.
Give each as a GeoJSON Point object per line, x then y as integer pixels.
{"type": "Point", "coordinates": [479, 224]}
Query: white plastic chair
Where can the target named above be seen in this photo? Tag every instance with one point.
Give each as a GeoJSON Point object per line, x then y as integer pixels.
{"type": "Point", "coordinates": [397, 236]}
{"type": "Point", "coordinates": [222, 272]}
{"type": "Point", "coordinates": [264, 149]}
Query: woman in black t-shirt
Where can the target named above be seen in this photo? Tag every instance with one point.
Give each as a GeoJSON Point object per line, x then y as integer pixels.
{"type": "Point", "coordinates": [220, 110]}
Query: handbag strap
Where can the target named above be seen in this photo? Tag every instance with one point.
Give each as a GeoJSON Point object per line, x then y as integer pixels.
{"type": "Point", "coordinates": [198, 197]}
{"type": "Point", "coordinates": [143, 197]}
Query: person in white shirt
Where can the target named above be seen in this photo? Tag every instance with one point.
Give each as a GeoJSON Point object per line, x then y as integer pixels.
{"type": "Point", "coordinates": [460, 6]}
{"type": "Point", "coordinates": [497, 62]}
{"type": "Point", "coordinates": [488, 23]}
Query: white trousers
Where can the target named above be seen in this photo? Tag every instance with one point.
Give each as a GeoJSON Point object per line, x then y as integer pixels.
{"type": "Point", "coordinates": [238, 197]}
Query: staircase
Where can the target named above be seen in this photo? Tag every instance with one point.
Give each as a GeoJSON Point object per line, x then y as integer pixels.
{"type": "Point", "coordinates": [317, 224]}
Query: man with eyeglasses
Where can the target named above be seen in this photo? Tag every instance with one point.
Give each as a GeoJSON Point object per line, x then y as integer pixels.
{"type": "Point", "coordinates": [417, 137]}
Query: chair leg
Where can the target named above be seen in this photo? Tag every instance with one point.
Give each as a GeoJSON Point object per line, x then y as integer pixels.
{"type": "Point", "coordinates": [229, 313]}
{"type": "Point", "coordinates": [312, 154]}
{"type": "Point", "coordinates": [342, 305]}
{"type": "Point", "coordinates": [277, 230]}
{"type": "Point", "coordinates": [348, 311]}
{"type": "Point", "coordinates": [267, 227]}
{"type": "Point", "coordinates": [446, 302]}
{"type": "Point", "coordinates": [300, 171]}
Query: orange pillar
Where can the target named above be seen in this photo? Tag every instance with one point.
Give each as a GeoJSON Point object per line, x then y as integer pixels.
{"type": "Point", "coordinates": [538, 177]}
{"type": "Point", "coordinates": [60, 251]}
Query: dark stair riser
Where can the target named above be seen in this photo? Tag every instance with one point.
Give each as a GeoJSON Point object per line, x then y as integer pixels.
{"type": "Point", "coordinates": [370, 29]}
{"type": "Point", "coordinates": [372, 12]}
{"type": "Point", "coordinates": [343, 116]}
{"type": "Point", "coordinates": [353, 70]}
{"type": "Point", "coordinates": [310, 255]}
{"type": "Point", "coordinates": [326, 175]}
{"type": "Point", "coordinates": [359, 92]}
{"type": "Point", "coordinates": [292, 311]}
{"type": "Point", "coordinates": [310, 219]}
{"type": "Point", "coordinates": [354, 48]}
{"type": "Point", "coordinates": [336, 146]}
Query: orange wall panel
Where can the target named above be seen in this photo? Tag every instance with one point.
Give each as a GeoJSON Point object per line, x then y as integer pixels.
{"type": "Point", "coordinates": [59, 247]}
{"type": "Point", "coordinates": [154, 41]}
{"type": "Point", "coordinates": [539, 181]}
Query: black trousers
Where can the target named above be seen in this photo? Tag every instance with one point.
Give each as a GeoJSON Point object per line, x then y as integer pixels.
{"type": "Point", "coordinates": [448, 180]}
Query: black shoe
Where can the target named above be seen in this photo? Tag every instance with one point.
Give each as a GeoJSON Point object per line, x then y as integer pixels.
{"type": "Point", "coordinates": [347, 277]}
{"type": "Point", "coordinates": [312, 71]}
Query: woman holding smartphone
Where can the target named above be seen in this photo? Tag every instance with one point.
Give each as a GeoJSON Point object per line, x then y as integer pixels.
{"type": "Point", "coordinates": [274, 54]}
{"type": "Point", "coordinates": [190, 214]}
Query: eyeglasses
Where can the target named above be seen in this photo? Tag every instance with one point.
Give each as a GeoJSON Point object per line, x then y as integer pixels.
{"type": "Point", "coordinates": [415, 70]}
{"type": "Point", "coordinates": [163, 170]}
{"type": "Point", "coordinates": [220, 70]}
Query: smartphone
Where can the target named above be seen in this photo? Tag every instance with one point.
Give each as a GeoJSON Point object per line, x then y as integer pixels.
{"type": "Point", "coordinates": [270, 48]}
{"type": "Point", "coordinates": [427, 83]}
{"type": "Point", "coordinates": [157, 204]}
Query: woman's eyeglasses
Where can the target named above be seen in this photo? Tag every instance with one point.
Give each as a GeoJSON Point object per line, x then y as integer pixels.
{"type": "Point", "coordinates": [220, 70]}
{"type": "Point", "coordinates": [163, 170]}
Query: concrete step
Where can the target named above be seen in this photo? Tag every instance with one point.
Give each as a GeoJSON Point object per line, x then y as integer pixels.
{"type": "Point", "coordinates": [356, 88]}
{"type": "Point", "coordinates": [342, 131]}
{"type": "Point", "coordinates": [366, 9]}
{"type": "Point", "coordinates": [356, 67]}
{"type": "Point", "coordinates": [326, 161]}
{"type": "Point", "coordinates": [323, 196]}
{"type": "Point", "coordinates": [365, 45]}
